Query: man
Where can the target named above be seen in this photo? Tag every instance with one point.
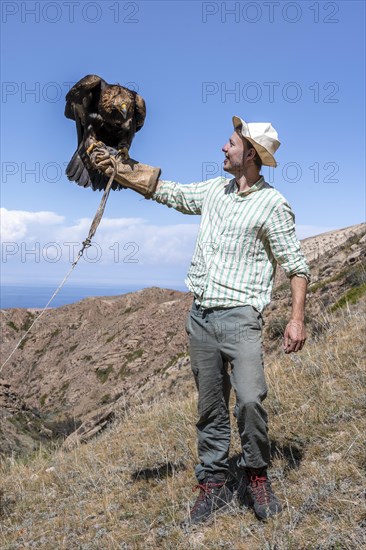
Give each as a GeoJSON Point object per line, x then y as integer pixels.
{"type": "Point", "coordinates": [247, 227]}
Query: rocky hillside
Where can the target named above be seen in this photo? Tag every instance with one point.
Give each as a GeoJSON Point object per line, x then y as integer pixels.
{"type": "Point", "coordinates": [21, 426]}
{"type": "Point", "coordinates": [85, 356]}
{"type": "Point", "coordinates": [316, 247]}
{"type": "Point", "coordinates": [130, 487]}
{"type": "Point", "coordinates": [84, 361]}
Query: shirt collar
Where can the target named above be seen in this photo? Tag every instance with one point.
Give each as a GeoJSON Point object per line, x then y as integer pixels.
{"type": "Point", "coordinates": [258, 185]}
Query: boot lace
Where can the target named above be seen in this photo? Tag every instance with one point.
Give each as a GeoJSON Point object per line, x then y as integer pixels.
{"type": "Point", "coordinates": [260, 489]}
{"type": "Point", "coordinates": [205, 490]}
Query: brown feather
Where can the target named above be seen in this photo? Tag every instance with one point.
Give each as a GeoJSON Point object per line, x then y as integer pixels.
{"type": "Point", "coordinates": [110, 113]}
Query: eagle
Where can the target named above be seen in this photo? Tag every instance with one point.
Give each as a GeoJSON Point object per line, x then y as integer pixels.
{"type": "Point", "coordinates": [109, 113]}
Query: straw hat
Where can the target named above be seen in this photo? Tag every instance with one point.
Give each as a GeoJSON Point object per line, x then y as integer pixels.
{"type": "Point", "coordinates": [262, 136]}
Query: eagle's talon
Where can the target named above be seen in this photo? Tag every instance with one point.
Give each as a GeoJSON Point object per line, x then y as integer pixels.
{"type": "Point", "coordinates": [93, 146]}
{"type": "Point", "coordinates": [123, 154]}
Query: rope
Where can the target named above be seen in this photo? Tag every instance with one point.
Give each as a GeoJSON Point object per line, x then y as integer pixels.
{"type": "Point", "coordinates": [86, 244]}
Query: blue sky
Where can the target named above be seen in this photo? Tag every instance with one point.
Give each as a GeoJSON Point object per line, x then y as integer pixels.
{"type": "Point", "coordinates": [299, 65]}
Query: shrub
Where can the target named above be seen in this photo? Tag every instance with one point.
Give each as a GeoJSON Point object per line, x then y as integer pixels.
{"type": "Point", "coordinates": [103, 374]}
{"type": "Point", "coordinates": [351, 297]}
{"type": "Point", "coordinates": [12, 325]}
{"type": "Point", "coordinates": [356, 276]}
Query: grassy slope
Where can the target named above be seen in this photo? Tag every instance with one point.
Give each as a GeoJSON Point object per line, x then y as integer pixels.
{"type": "Point", "coordinates": [130, 488]}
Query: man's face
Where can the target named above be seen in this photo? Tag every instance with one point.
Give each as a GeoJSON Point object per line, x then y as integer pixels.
{"type": "Point", "coordinates": [234, 153]}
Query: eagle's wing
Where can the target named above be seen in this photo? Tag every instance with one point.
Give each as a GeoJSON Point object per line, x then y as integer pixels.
{"type": "Point", "coordinates": [83, 94]}
{"type": "Point", "coordinates": [140, 112]}
{"type": "Point", "coordinates": [81, 104]}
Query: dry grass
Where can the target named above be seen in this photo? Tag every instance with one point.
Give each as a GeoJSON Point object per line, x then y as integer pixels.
{"type": "Point", "coordinates": [130, 488]}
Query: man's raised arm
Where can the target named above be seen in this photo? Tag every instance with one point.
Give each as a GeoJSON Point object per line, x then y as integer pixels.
{"type": "Point", "coordinates": [144, 179]}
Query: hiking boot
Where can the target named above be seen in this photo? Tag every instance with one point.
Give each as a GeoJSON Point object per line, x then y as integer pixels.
{"type": "Point", "coordinates": [258, 494]}
{"type": "Point", "coordinates": [214, 495]}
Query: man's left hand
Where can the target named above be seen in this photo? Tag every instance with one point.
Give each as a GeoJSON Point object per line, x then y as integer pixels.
{"type": "Point", "coordinates": [294, 336]}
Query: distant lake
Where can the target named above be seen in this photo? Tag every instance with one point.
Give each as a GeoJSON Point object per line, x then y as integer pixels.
{"type": "Point", "coordinates": [38, 296]}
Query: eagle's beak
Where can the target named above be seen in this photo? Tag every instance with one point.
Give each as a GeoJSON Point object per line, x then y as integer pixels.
{"type": "Point", "coordinates": [124, 110]}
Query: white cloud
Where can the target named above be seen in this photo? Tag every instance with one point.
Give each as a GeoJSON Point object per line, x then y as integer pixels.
{"type": "Point", "coordinates": [79, 230]}
{"type": "Point", "coordinates": [17, 224]}
{"type": "Point", "coordinates": [120, 239]}
{"type": "Point", "coordinates": [117, 240]}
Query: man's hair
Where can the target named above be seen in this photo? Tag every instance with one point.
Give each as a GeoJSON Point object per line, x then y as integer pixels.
{"type": "Point", "coordinates": [257, 159]}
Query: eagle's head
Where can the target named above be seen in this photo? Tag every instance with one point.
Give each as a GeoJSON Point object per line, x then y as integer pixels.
{"type": "Point", "coordinates": [116, 102]}
{"type": "Point", "coordinates": [121, 105]}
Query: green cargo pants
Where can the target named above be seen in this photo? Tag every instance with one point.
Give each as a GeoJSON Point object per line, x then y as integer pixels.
{"type": "Point", "coordinates": [226, 351]}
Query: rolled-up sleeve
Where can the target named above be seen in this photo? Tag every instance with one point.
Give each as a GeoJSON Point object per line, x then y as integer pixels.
{"type": "Point", "coordinates": [284, 244]}
{"type": "Point", "coordinates": [187, 199]}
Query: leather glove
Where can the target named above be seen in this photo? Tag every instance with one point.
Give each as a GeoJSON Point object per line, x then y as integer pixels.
{"type": "Point", "coordinates": [129, 173]}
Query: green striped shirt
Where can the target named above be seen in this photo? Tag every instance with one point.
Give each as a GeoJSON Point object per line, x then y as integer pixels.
{"type": "Point", "coordinates": [242, 237]}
